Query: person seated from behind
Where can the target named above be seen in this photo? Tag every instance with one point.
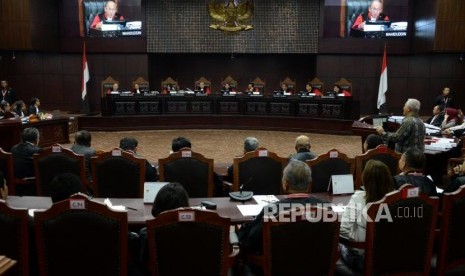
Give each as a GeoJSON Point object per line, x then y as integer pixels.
{"type": "Point", "coordinates": [202, 88]}
{"type": "Point", "coordinates": [34, 106]}
{"type": "Point", "coordinates": [250, 144]}
{"type": "Point", "coordinates": [377, 182]}
{"type": "Point", "coordinates": [375, 13]}
{"type": "Point", "coordinates": [65, 185]}
{"type": "Point", "coordinates": [438, 116]}
{"type": "Point", "coordinates": [110, 14]}
{"type": "Point", "coordinates": [82, 145]}
{"type": "Point", "coordinates": [302, 148]}
{"type": "Point", "coordinates": [372, 141]}
{"type": "Point", "coordinates": [452, 117]}
{"type": "Point", "coordinates": [412, 164]}
{"type": "Point", "coordinates": [170, 197]}
{"type": "Point", "coordinates": [130, 144]}
{"type": "Point", "coordinates": [179, 143]}
{"type": "Point", "coordinates": [296, 183]}
{"type": "Point", "coordinates": [3, 187]}
{"type": "Point", "coordinates": [20, 108]}
{"type": "Point", "coordinates": [457, 178]}
{"type": "Point", "coordinates": [22, 153]}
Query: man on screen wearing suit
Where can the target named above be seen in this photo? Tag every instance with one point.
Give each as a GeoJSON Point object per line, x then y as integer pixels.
{"type": "Point", "coordinates": [375, 13]}
{"type": "Point", "coordinates": [110, 14]}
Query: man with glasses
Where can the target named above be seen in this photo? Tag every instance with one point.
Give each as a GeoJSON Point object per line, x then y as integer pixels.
{"type": "Point", "coordinates": [110, 14]}
{"type": "Point", "coordinates": [375, 13]}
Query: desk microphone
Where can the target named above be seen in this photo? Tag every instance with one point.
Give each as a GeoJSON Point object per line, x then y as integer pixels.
{"type": "Point", "coordinates": [242, 195]}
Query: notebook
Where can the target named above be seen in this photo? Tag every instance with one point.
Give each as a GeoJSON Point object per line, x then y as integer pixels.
{"type": "Point", "coordinates": [151, 190]}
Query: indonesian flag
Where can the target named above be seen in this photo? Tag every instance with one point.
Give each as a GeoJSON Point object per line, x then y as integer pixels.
{"type": "Point", "coordinates": [85, 73]}
{"type": "Point", "coordinates": [383, 85]}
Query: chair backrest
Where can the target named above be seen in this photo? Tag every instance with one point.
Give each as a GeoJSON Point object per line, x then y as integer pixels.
{"type": "Point", "coordinates": [107, 85]}
{"type": "Point", "coordinates": [291, 84]}
{"type": "Point", "coordinates": [206, 81]}
{"type": "Point", "coordinates": [169, 84]}
{"type": "Point", "coordinates": [381, 153]}
{"type": "Point", "coordinates": [6, 167]}
{"type": "Point", "coordinates": [179, 234]}
{"type": "Point", "coordinates": [451, 238]}
{"type": "Point", "coordinates": [191, 169]}
{"type": "Point", "coordinates": [259, 85]}
{"type": "Point", "coordinates": [325, 165]}
{"type": "Point", "coordinates": [81, 237]}
{"type": "Point", "coordinates": [229, 80]}
{"type": "Point", "coordinates": [53, 161]}
{"type": "Point", "coordinates": [317, 84]}
{"type": "Point", "coordinates": [400, 233]}
{"type": "Point", "coordinates": [353, 9]}
{"type": "Point", "coordinates": [260, 171]}
{"type": "Point", "coordinates": [317, 238]}
{"type": "Point", "coordinates": [14, 237]}
{"type": "Point", "coordinates": [143, 84]}
{"type": "Point", "coordinates": [118, 174]}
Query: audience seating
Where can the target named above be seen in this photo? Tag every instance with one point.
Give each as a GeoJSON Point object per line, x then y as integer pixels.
{"type": "Point", "coordinates": [56, 160]}
{"type": "Point", "coordinates": [191, 169]}
{"type": "Point", "coordinates": [289, 249]}
{"type": "Point", "coordinates": [80, 237]}
{"type": "Point", "coordinates": [325, 165]}
{"type": "Point", "coordinates": [451, 253]}
{"type": "Point", "coordinates": [259, 171]}
{"type": "Point", "coordinates": [382, 153]}
{"type": "Point", "coordinates": [118, 174]}
{"type": "Point", "coordinates": [190, 242]}
{"type": "Point", "coordinates": [14, 238]}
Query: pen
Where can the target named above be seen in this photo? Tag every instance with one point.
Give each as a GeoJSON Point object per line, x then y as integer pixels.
{"type": "Point", "coordinates": [130, 208]}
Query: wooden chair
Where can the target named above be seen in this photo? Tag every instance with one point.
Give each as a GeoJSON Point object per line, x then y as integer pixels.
{"type": "Point", "coordinates": [118, 174]}
{"type": "Point", "coordinates": [259, 171]}
{"type": "Point", "coordinates": [54, 161]}
{"type": "Point", "coordinates": [451, 238]}
{"type": "Point", "coordinates": [229, 80]}
{"type": "Point", "coordinates": [14, 237]}
{"type": "Point", "coordinates": [259, 85]}
{"type": "Point", "coordinates": [143, 84]}
{"type": "Point", "coordinates": [382, 153]}
{"type": "Point", "coordinates": [207, 82]}
{"type": "Point", "coordinates": [179, 234]}
{"type": "Point", "coordinates": [191, 169]}
{"type": "Point", "coordinates": [88, 9]}
{"type": "Point", "coordinates": [409, 251]}
{"type": "Point", "coordinates": [291, 84]}
{"type": "Point", "coordinates": [78, 236]}
{"type": "Point", "coordinates": [107, 86]}
{"type": "Point", "coordinates": [6, 167]}
{"type": "Point", "coordinates": [286, 251]}
{"type": "Point", "coordinates": [169, 84]}
{"type": "Point", "coordinates": [344, 85]}
{"type": "Point", "coordinates": [324, 166]}
{"type": "Point", "coordinates": [317, 84]}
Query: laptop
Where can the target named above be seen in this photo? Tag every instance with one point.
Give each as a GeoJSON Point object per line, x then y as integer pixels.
{"type": "Point", "coordinates": [151, 190]}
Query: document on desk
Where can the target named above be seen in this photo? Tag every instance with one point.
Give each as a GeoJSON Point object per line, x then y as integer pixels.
{"type": "Point", "coordinates": [265, 199]}
{"type": "Point", "coordinates": [250, 209]}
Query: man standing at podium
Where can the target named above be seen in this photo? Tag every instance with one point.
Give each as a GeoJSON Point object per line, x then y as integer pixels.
{"type": "Point", "coordinates": [110, 14]}
{"type": "Point", "coordinates": [411, 132]}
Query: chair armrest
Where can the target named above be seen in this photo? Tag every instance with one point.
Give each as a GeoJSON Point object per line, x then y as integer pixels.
{"type": "Point", "coordinates": [353, 244]}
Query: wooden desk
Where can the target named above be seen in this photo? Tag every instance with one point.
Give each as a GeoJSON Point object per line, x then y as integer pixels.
{"type": "Point", "coordinates": [139, 213]}
{"type": "Point", "coordinates": [51, 131]}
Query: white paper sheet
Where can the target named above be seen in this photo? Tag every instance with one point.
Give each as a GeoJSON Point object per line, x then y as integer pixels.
{"type": "Point", "coordinates": [250, 209]}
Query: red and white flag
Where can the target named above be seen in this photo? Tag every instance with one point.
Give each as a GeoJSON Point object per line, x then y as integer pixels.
{"type": "Point", "coordinates": [85, 73]}
{"type": "Point", "coordinates": [383, 85]}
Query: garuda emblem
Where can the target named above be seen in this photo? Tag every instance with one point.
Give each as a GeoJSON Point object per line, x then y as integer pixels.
{"type": "Point", "coordinates": [231, 17]}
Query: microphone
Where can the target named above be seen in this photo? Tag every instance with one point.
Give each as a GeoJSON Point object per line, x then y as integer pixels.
{"type": "Point", "coordinates": [242, 195]}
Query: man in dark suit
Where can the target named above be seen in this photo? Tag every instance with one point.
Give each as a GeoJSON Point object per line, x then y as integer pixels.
{"type": "Point", "coordinates": [8, 94]}
{"type": "Point", "coordinates": [34, 107]}
{"type": "Point", "coordinates": [82, 141]}
{"type": "Point", "coordinates": [302, 148]}
{"type": "Point", "coordinates": [250, 144]}
{"type": "Point", "coordinates": [444, 100]}
{"type": "Point", "coordinates": [22, 156]}
{"type": "Point", "coordinates": [130, 144]}
{"type": "Point", "coordinates": [438, 116]}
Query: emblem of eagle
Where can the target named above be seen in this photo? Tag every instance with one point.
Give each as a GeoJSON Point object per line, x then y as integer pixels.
{"type": "Point", "coordinates": [231, 17]}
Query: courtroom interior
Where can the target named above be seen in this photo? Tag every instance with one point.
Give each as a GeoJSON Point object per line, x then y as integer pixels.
{"type": "Point", "coordinates": [228, 126]}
